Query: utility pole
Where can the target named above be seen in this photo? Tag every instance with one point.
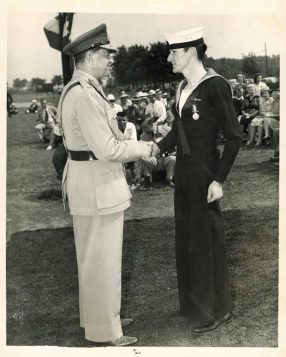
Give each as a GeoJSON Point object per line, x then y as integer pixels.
{"type": "Point", "coordinates": [266, 60]}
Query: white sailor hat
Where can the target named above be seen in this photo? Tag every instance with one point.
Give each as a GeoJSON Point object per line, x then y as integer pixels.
{"type": "Point", "coordinates": [186, 38]}
{"type": "Point", "coordinates": [151, 92]}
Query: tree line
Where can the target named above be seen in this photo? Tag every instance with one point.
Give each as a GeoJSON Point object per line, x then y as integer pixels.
{"type": "Point", "coordinates": [137, 65]}
{"type": "Point", "coordinates": [36, 84]}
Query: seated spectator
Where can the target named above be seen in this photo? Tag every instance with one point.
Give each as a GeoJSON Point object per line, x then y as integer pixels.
{"type": "Point", "coordinates": [163, 162]}
{"type": "Point", "coordinates": [55, 137]}
{"type": "Point", "coordinates": [141, 101]}
{"type": "Point", "coordinates": [271, 121]}
{"type": "Point", "coordinates": [238, 100]}
{"type": "Point", "coordinates": [240, 84]}
{"type": "Point", "coordinates": [155, 108]}
{"type": "Point", "coordinates": [129, 133]}
{"type": "Point", "coordinates": [125, 101]}
{"type": "Point", "coordinates": [258, 84]}
{"type": "Point", "coordinates": [165, 98]}
{"type": "Point", "coordinates": [133, 111]}
{"type": "Point", "coordinates": [166, 126]}
{"type": "Point", "coordinates": [13, 109]}
{"type": "Point", "coordinates": [160, 97]}
{"type": "Point", "coordinates": [257, 124]}
{"type": "Point", "coordinates": [142, 105]}
{"type": "Point", "coordinates": [46, 119]}
{"type": "Point", "coordinates": [249, 110]}
{"type": "Point", "coordinates": [127, 128]}
{"type": "Point", "coordinates": [33, 108]}
{"type": "Point", "coordinates": [116, 107]}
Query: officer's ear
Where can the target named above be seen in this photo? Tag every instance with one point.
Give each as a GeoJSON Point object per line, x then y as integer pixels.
{"type": "Point", "coordinates": [89, 57]}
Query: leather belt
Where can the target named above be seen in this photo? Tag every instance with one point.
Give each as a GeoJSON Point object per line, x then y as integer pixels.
{"type": "Point", "coordinates": [81, 155]}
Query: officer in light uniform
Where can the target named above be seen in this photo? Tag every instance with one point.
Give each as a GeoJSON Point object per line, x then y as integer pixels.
{"type": "Point", "coordinates": [95, 187]}
{"type": "Point", "coordinates": [203, 107]}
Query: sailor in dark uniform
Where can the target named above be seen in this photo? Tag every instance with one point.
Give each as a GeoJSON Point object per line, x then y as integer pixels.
{"type": "Point", "coordinates": [203, 107]}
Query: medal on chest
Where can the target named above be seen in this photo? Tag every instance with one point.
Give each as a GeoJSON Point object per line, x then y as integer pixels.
{"type": "Point", "coordinates": [195, 114]}
{"type": "Point", "coordinates": [195, 110]}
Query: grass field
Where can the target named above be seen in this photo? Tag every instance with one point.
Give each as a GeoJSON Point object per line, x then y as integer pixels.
{"type": "Point", "coordinates": [42, 306]}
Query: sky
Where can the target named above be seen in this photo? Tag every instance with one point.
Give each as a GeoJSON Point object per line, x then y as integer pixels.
{"type": "Point", "coordinates": [29, 54]}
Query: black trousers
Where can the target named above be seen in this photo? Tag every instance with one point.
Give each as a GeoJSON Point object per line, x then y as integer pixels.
{"type": "Point", "coordinates": [203, 286]}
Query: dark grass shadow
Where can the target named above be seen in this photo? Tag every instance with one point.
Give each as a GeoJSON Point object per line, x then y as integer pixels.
{"type": "Point", "coordinates": [42, 287]}
{"type": "Point", "coordinates": [264, 167]}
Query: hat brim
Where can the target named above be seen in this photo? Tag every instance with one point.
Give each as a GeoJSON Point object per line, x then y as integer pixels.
{"type": "Point", "coordinates": [109, 48]}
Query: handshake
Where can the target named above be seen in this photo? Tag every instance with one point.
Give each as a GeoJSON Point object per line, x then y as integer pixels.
{"type": "Point", "coordinates": [152, 151]}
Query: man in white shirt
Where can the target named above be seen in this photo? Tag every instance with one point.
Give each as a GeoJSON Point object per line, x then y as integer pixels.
{"type": "Point", "coordinates": [129, 133]}
{"type": "Point", "coordinates": [156, 108]}
{"type": "Point", "coordinates": [125, 101]}
{"type": "Point", "coordinates": [128, 129]}
{"type": "Point", "coordinates": [159, 96]}
{"type": "Point", "coordinates": [45, 119]}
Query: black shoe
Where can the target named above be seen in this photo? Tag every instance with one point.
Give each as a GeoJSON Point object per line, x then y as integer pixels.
{"type": "Point", "coordinates": [170, 183]}
{"type": "Point", "coordinates": [266, 141]}
{"type": "Point", "coordinates": [201, 329]}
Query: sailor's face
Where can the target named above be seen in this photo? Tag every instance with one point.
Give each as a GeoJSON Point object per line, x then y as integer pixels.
{"type": "Point", "coordinates": [179, 58]}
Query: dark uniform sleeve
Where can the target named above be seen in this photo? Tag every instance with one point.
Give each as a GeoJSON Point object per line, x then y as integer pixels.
{"type": "Point", "coordinates": [220, 97]}
{"type": "Point", "coordinates": [170, 140]}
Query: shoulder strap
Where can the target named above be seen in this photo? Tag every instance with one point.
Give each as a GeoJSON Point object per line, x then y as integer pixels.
{"type": "Point", "coordinates": [59, 115]}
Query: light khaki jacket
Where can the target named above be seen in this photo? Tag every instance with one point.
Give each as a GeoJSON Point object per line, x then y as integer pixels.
{"type": "Point", "coordinates": [89, 123]}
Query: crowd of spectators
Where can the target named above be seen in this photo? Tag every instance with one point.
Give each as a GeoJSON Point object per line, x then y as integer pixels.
{"type": "Point", "coordinates": [258, 112]}
{"type": "Point", "coordinates": [147, 116]}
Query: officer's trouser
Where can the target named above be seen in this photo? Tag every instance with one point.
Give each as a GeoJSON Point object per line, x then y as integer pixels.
{"type": "Point", "coordinates": [98, 241]}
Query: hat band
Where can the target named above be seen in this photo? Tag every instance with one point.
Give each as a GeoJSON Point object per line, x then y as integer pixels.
{"type": "Point", "coordinates": [185, 44]}
{"type": "Point", "coordinates": [93, 46]}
